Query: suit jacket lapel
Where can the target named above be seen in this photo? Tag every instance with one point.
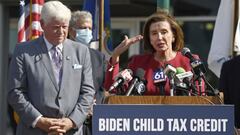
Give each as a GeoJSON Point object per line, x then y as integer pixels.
{"type": "Point", "coordinates": [46, 61]}
{"type": "Point", "coordinates": [67, 56]}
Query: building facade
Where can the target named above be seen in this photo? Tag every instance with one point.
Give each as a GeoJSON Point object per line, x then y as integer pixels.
{"type": "Point", "coordinates": [197, 18]}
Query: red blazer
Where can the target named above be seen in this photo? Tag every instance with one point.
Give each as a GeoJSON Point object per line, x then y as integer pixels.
{"type": "Point", "coordinates": [150, 65]}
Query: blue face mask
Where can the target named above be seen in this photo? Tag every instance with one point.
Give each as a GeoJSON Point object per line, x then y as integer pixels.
{"type": "Point", "coordinates": [84, 36]}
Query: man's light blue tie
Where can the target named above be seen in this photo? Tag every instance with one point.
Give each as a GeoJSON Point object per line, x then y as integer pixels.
{"type": "Point", "coordinates": [57, 63]}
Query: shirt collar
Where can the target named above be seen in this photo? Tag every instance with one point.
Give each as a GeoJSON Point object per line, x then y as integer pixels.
{"type": "Point", "coordinates": [49, 45]}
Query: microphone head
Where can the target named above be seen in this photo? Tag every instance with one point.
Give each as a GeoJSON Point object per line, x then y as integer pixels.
{"type": "Point", "coordinates": [180, 70]}
{"type": "Point", "coordinates": [187, 53]}
{"type": "Point", "coordinates": [140, 85]}
{"type": "Point", "coordinates": [185, 50]}
{"type": "Point", "coordinates": [126, 74]}
{"type": "Point", "coordinates": [140, 88]}
{"type": "Point", "coordinates": [179, 77]}
{"type": "Point", "coordinates": [170, 71]}
{"type": "Point", "coordinates": [159, 76]}
{"type": "Point", "coordinates": [140, 73]}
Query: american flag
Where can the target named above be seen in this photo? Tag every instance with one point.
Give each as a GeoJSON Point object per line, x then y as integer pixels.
{"type": "Point", "coordinates": [29, 21]}
{"type": "Point", "coordinates": [29, 24]}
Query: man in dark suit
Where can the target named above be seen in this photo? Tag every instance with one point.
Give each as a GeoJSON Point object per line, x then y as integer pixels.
{"type": "Point", "coordinates": [50, 80]}
{"type": "Point", "coordinates": [80, 30]}
{"type": "Point", "coordinates": [230, 85]}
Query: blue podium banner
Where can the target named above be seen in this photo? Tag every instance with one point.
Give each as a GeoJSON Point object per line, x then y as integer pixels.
{"type": "Point", "coordinates": [163, 120]}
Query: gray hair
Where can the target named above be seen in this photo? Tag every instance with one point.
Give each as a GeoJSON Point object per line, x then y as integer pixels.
{"type": "Point", "coordinates": [82, 15]}
{"type": "Point", "coordinates": [55, 10]}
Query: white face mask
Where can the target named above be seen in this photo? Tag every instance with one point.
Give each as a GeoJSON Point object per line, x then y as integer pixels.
{"type": "Point", "coordinates": [84, 36]}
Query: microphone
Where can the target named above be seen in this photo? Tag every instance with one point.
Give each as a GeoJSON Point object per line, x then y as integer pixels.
{"type": "Point", "coordinates": [170, 71]}
{"type": "Point", "coordinates": [141, 87]}
{"type": "Point", "coordinates": [185, 77]}
{"type": "Point", "coordinates": [196, 64]}
{"type": "Point", "coordinates": [199, 70]}
{"type": "Point", "coordinates": [139, 75]}
{"type": "Point", "coordinates": [180, 70]}
{"type": "Point", "coordinates": [186, 52]}
{"type": "Point", "coordinates": [182, 88]}
{"type": "Point", "coordinates": [123, 76]}
{"type": "Point", "coordinates": [159, 80]}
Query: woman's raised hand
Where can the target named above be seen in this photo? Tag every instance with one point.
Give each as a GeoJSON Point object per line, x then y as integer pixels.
{"type": "Point", "coordinates": [123, 46]}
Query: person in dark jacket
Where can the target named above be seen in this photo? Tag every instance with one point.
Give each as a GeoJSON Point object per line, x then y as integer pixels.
{"type": "Point", "coordinates": [80, 30]}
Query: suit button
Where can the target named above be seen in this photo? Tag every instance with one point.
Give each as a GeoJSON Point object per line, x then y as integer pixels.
{"type": "Point", "coordinates": [59, 97]}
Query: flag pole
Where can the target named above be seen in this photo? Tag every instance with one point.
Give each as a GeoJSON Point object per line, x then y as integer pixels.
{"type": "Point", "coordinates": [163, 5]}
{"type": "Point", "coordinates": [101, 25]}
{"type": "Point", "coordinates": [30, 21]}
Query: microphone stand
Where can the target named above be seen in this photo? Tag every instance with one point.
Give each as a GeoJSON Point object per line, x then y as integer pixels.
{"type": "Point", "coordinates": [214, 92]}
{"type": "Point", "coordinates": [200, 85]}
{"type": "Point", "coordinates": [162, 89]}
{"type": "Point", "coordinates": [201, 76]}
{"type": "Point", "coordinates": [182, 89]}
{"type": "Point", "coordinates": [171, 82]}
{"type": "Point", "coordinates": [120, 90]}
{"type": "Point", "coordinates": [130, 89]}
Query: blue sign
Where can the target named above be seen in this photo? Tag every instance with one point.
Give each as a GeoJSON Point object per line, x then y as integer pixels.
{"type": "Point", "coordinates": [163, 120]}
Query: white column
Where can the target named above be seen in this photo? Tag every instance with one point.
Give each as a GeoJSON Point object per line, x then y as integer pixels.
{"type": "Point", "coordinates": [4, 125]}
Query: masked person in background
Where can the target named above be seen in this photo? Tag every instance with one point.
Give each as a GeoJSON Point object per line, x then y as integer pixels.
{"type": "Point", "coordinates": [163, 41]}
{"type": "Point", "coordinates": [81, 27]}
{"type": "Point", "coordinates": [80, 30]}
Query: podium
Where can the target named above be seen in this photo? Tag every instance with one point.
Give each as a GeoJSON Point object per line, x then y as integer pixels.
{"type": "Point", "coordinates": [162, 100]}
{"type": "Point", "coordinates": [168, 115]}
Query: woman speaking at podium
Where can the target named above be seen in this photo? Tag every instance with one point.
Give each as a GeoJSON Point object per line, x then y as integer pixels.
{"type": "Point", "coordinates": [163, 41]}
